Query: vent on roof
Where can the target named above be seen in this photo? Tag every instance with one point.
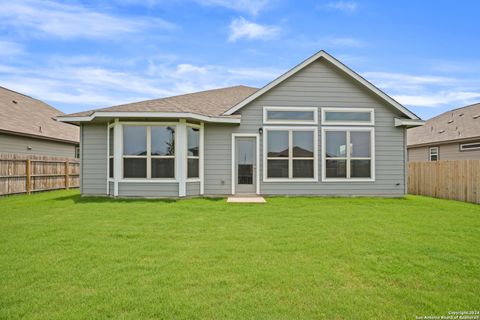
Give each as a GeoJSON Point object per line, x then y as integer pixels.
{"type": "Point", "coordinates": [477, 116]}
{"type": "Point", "coordinates": [441, 131]}
{"type": "Point", "coordinates": [450, 121]}
{"type": "Point", "coordinates": [14, 102]}
{"type": "Point", "coordinates": [40, 129]}
{"type": "Point", "coordinates": [460, 115]}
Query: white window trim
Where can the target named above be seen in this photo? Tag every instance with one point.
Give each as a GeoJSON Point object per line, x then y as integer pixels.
{"type": "Point", "coordinates": [469, 149]}
{"type": "Point", "coordinates": [430, 149]}
{"type": "Point", "coordinates": [372, 155]}
{"type": "Point", "coordinates": [270, 108]}
{"type": "Point", "coordinates": [257, 159]}
{"type": "Point", "coordinates": [290, 158]}
{"type": "Point", "coordinates": [199, 127]}
{"type": "Point", "coordinates": [148, 156]}
{"type": "Point", "coordinates": [353, 123]}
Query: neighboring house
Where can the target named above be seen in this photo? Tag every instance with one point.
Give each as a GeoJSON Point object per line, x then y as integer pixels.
{"type": "Point", "coordinates": [319, 129]}
{"type": "Point", "coordinates": [28, 126]}
{"type": "Point", "coordinates": [453, 135]}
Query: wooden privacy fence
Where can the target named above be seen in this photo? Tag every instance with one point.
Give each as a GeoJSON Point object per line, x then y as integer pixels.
{"type": "Point", "coordinates": [26, 173]}
{"type": "Point", "coordinates": [448, 179]}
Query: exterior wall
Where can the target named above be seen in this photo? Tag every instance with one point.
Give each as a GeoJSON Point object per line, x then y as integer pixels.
{"type": "Point", "coordinates": [10, 143]}
{"type": "Point", "coordinates": [318, 85]}
{"type": "Point", "coordinates": [447, 151]}
{"type": "Point", "coordinates": [193, 188]}
{"type": "Point", "coordinates": [93, 159]}
{"type": "Point", "coordinates": [148, 189]}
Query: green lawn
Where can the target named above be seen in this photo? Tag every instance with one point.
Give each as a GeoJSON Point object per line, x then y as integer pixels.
{"type": "Point", "coordinates": [67, 257]}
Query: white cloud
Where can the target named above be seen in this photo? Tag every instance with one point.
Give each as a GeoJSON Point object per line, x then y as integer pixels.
{"type": "Point", "coordinates": [10, 49]}
{"type": "Point", "coordinates": [69, 20]}
{"type": "Point", "coordinates": [248, 6]}
{"type": "Point", "coordinates": [344, 6]}
{"type": "Point", "coordinates": [345, 42]}
{"type": "Point", "coordinates": [439, 98]}
{"type": "Point", "coordinates": [242, 28]}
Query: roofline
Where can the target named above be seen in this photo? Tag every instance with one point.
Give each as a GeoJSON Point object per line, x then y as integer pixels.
{"type": "Point", "coordinates": [338, 64]}
{"type": "Point", "coordinates": [147, 114]}
{"type": "Point", "coordinates": [408, 123]}
{"type": "Point", "coordinates": [440, 142]}
{"type": "Point", "coordinates": [15, 133]}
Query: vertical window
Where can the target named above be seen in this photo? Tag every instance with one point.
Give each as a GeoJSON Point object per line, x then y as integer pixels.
{"type": "Point", "coordinates": [290, 154]}
{"type": "Point", "coordinates": [148, 152]}
{"type": "Point", "coordinates": [433, 154]}
{"type": "Point", "coordinates": [193, 152]}
{"type": "Point", "coordinates": [348, 153]}
{"type": "Point", "coordinates": [77, 152]}
{"type": "Point", "coordinates": [110, 152]}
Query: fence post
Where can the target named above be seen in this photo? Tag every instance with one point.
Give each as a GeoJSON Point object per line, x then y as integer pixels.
{"type": "Point", "coordinates": [66, 175]}
{"type": "Point", "coordinates": [28, 183]}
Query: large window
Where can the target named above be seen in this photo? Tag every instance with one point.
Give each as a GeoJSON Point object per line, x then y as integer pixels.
{"type": "Point", "coordinates": [289, 115]}
{"type": "Point", "coordinates": [193, 152]}
{"type": "Point", "coordinates": [290, 153]}
{"type": "Point", "coordinates": [148, 152]}
{"type": "Point", "coordinates": [348, 154]}
{"type": "Point", "coordinates": [348, 116]}
{"type": "Point", "coordinates": [110, 152]}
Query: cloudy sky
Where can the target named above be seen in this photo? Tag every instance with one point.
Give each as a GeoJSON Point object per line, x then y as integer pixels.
{"type": "Point", "coordinates": [79, 55]}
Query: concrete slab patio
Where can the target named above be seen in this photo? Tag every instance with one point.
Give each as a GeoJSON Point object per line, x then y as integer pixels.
{"type": "Point", "coordinates": [250, 199]}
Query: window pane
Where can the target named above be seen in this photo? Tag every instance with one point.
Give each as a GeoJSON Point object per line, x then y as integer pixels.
{"type": "Point", "coordinates": [134, 168]}
{"type": "Point", "coordinates": [134, 140]}
{"type": "Point", "coordinates": [360, 169]}
{"type": "Point", "coordinates": [290, 115]}
{"type": "Point", "coordinates": [277, 168]}
{"type": "Point", "coordinates": [110, 168]}
{"type": "Point", "coordinates": [470, 146]}
{"type": "Point", "coordinates": [336, 144]}
{"type": "Point", "coordinates": [163, 141]}
{"type": "Point", "coordinates": [277, 143]}
{"type": "Point", "coordinates": [110, 142]}
{"type": "Point", "coordinates": [303, 143]}
{"type": "Point", "coordinates": [303, 168]}
{"type": "Point", "coordinates": [347, 116]}
{"type": "Point", "coordinates": [163, 168]}
{"type": "Point", "coordinates": [193, 168]}
{"type": "Point", "coordinates": [193, 140]}
{"type": "Point", "coordinates": [336, 169]}
{"type": "Point", "coordinates": [360, 144]}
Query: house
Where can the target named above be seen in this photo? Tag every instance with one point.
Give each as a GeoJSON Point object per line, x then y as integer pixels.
{"type": "Point", "coordinates": [453, 135]}
{"type": "Point", "coordinates": [28, 127]}
{"type": "Point", "coordinates": [318, 129]}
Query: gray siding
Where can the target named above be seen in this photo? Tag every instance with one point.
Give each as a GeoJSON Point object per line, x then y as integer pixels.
{"type": "Point", "coordinates": [318, 85]}
{"type": "Point", "coordinates": [148, 189]}
{"type": "Point", "coordinates": [193, 188]}
{"type": "Point", "coordinates": [111, 185]}
{"type": "Point", "coordinates": [19, 144]}
{"type": "Point", "coordinates": [448, 151]}
{"type": "Point", "coordinates": [94, 159]}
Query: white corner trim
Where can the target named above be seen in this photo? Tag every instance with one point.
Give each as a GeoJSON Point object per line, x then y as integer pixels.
{"type": "Point", "coordinates": [184, 115]}
{"type": "Point", "coordinates": [108, 159]}
{"type": "Point", "coordinates": [372, 154]}
{"type": "Point", "coordinates": [290, 128]}
{"type": "Point", "coordinates": [350, 123]}
{"type": "Point", "coordinates": [202, 159]}
{"type": "Point", "coordinates": [339, 65]}
{"type": "Point", "coordinates": [117, 155]}
{"type": "Point", "coordinates": [266, 109]}
{"type": "Point", "coordinates": [410, 123]}
{"type": "Point", "coordinates": [257, 159]}
{"type": "Point", "coordinates": [181, 157]}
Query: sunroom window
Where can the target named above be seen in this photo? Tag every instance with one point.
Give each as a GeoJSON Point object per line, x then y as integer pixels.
{"type": "Point", "coordinates": [348, 154]}
{"type": "Point", "coordinates": [148, 152]}
{"type": "Point", "coordinates": [290, 115]}
{"type": "Point", "coordinates": [110, 152]}
{"type": "Point", "coordinates": [193, 152]}
{"type": "Point", "coordinates": [347, 116]}
{"type": "Point", "coordinates": [290, 153]}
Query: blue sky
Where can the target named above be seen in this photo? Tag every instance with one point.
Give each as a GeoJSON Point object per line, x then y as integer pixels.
{"type": "Point", "coordinates": [79, 55]}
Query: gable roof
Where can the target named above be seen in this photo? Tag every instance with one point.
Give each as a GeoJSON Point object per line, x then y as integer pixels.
{"type": "Point", "coordinates": [24, 115]}
{"type": "Point", "coordinates": [457, 124]}
{"type": "Point", "coordinates": [209, 103]}
{"type": "Point", "coordinates": [324, 55]}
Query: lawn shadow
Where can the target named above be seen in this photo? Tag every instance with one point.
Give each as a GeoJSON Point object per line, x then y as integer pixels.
{"type": "Point", "coordinates": [89, 199]}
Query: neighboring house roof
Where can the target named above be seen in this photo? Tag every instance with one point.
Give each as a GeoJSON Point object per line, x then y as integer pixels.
{"type": "Point", "coordinates": [24, 115]}
{"type": "Point", "coordinates": [210, 103]}
{"type": "Point", "coordinates": [324, 55]}
{"type": "Point", "coordinates": [458, 124]}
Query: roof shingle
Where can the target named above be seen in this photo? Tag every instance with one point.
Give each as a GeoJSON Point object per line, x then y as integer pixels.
{"type": "Point", "coordinates": [22, 114]}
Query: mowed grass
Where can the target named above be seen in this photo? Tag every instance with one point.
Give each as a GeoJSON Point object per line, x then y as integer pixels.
{"type": "Point", "coordinates": [67, 257]}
